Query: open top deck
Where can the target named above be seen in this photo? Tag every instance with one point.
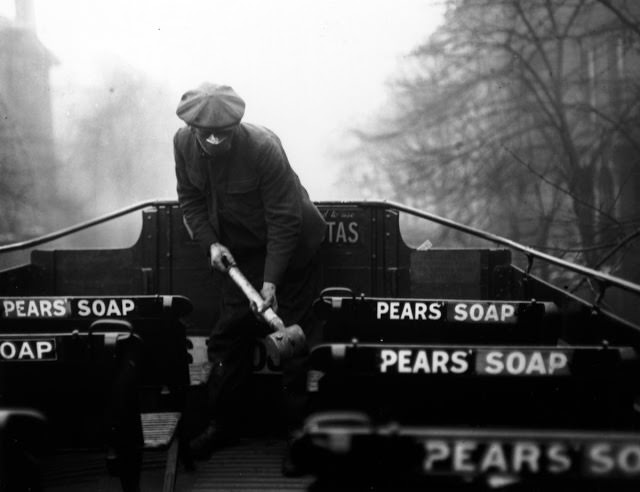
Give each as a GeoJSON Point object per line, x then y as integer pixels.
{"type": "Point", "coordinates": [416, 339]}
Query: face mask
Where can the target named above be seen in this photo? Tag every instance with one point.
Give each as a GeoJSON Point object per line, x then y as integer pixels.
{"type": "Point", "coordinates": [214, 142]}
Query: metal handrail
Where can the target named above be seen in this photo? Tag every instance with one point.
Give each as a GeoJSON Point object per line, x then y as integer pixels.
{"type": "Point", "coordinates": [30, 243]}
{"type": "Point", "coordinates": [604, 279]}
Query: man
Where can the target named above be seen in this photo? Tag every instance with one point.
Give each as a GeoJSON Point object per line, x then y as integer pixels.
{"type": "Point", "coordinates": [245, 205]}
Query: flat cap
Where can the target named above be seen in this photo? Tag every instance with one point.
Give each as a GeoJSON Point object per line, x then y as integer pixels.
{"type": "Point", "coordinates": [211, 106]}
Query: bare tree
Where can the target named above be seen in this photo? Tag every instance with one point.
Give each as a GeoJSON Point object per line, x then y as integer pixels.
{"type": "Point", "coordinates": [18, 217]}
{"type": "Point", "coordinates": [510, 117]}
{"type": "Point", "coordinates": [117, 148]}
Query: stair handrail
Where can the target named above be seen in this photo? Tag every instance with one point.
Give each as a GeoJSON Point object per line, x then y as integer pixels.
{"type": "Point", "coordinates": [605, 280]}
{"type": "Point", "coordinates": [36, 241]}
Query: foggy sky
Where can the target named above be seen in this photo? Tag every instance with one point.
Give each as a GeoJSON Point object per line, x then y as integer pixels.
{"type": "Point", "coordinates": [308, 69]}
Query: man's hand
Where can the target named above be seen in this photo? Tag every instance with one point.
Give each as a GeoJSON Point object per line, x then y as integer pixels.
{"type": "Point", "coordinates": [268, 293]}
{"type": "Point", "coordinates": [220, 257]}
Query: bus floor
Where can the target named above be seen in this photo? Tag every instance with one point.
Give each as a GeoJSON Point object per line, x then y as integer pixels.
{"type": "Point", "coordinates": [253, 464]}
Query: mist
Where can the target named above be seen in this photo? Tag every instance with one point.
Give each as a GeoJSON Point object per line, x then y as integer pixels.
{"type": "Point", "coordinates": [111, 75]}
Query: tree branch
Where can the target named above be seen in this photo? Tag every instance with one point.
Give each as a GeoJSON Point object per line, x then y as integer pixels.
{"type": "Point", "coordinates": [621, 16]}
{"type": "Point", "coordinates": [561, 189]}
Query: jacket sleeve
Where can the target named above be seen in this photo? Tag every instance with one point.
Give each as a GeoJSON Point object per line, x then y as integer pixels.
{"type": "Point", "coordinates": [193, 203]}
{"type": "Point", "coordinates": [280, 190]}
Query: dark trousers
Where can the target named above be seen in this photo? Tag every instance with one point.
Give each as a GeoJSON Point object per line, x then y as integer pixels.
{"type": "Point", "coordinates": [231, 343]}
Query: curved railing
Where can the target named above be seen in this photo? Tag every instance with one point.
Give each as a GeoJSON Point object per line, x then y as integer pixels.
{"type": "Point", "coordinates": [30, 243]}
{"type": "Point", "coordinates": [604, 280]}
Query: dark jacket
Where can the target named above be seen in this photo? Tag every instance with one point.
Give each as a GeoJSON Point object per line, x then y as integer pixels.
{"type": "Point", "coordinates": [248, 199]}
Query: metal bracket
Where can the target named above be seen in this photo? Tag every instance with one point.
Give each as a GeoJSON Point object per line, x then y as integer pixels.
{"type": "Point", "coordinates": [527, 274]}
{"type": "Point", "coordinates": [602, 288]}
{"type": "Point", "coordinates": [530, 259]}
